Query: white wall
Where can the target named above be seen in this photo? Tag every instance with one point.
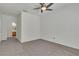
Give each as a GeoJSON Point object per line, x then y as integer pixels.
{"type": "Point", "coordinates": [0, 29]}
{"type": "Point", "coordinates": [29, 27]}
{"type": "Point", "coordinates": [62, 26]}
{"type": "Point", "coordinates": [18, 27]}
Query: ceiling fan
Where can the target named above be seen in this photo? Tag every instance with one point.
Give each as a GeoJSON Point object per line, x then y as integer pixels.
{"type": "Point", "coordinates": [44, 7]}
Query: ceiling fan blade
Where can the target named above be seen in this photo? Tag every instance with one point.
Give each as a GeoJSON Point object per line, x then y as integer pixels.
{"type": "Point", "coordinates": [37, 8]}
{"type": "Point", "coordinates": [49, 9]}
{"type": "Point", "coordinates": [41, 11]}
{"type": "Point", "coordinates": [49, 5]}
{"type": "Point", "coordinates": [42, 4]}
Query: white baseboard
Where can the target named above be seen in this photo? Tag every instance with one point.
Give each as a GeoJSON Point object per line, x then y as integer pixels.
{"type": "Point", "coordinates": [30, 39]}
{"type": "Point", "coordinates": [52, 40]}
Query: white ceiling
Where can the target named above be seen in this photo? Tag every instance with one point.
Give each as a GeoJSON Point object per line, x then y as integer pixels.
{"type": "Point", "coordinates": [16, 8]}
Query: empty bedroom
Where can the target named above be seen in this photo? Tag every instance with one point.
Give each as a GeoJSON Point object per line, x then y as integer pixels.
{"type": "Point", "coordinates": [39, 29]}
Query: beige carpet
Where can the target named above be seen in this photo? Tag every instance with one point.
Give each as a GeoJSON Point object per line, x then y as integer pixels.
{"type": "Point", "coordinates": [12, 47]}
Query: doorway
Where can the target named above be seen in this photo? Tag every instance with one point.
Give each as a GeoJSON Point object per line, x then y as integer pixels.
{"type": "Point", "coordinates": [13, 33]}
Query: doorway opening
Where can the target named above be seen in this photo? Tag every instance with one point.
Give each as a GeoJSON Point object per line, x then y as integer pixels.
{"type": "Point", "coordinates": [13, 33]}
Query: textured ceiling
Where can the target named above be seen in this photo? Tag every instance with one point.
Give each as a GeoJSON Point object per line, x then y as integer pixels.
{"type": "Point", "coordinates": [16, 8]}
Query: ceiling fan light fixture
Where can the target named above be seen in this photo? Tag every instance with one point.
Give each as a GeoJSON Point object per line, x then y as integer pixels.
{"type": "Point", "coordinates": [43, 8]}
